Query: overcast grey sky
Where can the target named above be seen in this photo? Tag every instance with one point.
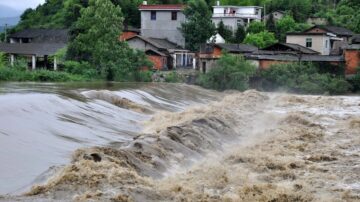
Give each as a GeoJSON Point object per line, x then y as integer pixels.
{"type": "Point", "coordinates": [21, 4]}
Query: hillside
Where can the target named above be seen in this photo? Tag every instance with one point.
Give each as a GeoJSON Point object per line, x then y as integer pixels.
{"type": "Point", "coordinates": [63, 13]}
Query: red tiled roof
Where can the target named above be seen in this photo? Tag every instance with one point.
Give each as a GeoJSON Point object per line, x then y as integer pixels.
{"type": "Point", "coordinates": [162, 7]}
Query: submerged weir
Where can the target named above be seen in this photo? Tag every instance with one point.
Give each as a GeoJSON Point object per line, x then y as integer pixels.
{"type": "Point", "coordinates": [173, 142]}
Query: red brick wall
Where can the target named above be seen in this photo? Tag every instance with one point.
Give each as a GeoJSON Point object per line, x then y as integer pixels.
{"type": "Point", "coordinates": [126, 35]}
{"type": "Point", "coordinates": [352, 61]}
{"type": "Point", "coordinates": [158, 61]}
{"type": "Point", "coordinates": [265, 64]}
{"type": "Point", "coordinates": [217, 51]}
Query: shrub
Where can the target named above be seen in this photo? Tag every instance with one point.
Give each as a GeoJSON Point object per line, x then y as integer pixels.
{"type": "Point", "coordinates": [355, 81]}
{"type": "Point", "coordinates": [13, 74]}
{"type": "Point", "coordinates": [143, 76]}
{"type": "Point", "coordinates": [2, 59]}
{"type": "Point", "coordinates": [173, 77]}
{"type": "Point", "coordinates": [302, 78]}
{"type": "Point", "coordinates": [261, 39]}
{"type": "Point", "coordinates": [231, 72]}
{"type": "Point", "coordinates": [81, 68]}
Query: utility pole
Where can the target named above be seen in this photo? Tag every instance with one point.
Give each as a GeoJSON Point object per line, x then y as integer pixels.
{"type": "Point", "coordinates": [264, 14]}
{"type": "Point", "coordinates": [5, 33]}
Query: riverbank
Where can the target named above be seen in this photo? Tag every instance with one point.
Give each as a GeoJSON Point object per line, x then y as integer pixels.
{"type": "Point", "coordinates": [249, 146]}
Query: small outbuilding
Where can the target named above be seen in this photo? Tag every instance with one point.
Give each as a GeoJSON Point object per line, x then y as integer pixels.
{"type": "Point", "coordinates": [36, 45]}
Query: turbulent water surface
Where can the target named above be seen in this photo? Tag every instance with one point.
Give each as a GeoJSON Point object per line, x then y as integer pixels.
{"type": "Point", "coordinates": [173, 142]}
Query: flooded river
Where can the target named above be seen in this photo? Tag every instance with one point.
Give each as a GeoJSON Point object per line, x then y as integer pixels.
{"type": "Point", "coordinates": [175, 142]}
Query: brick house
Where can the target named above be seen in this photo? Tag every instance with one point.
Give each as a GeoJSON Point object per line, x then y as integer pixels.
{"type": "Point", "coordinates": [352, 55]}
{"type": "Point", "coordinates": [210, 53]}
{"type": "Point", "coordinates": [164, 54]}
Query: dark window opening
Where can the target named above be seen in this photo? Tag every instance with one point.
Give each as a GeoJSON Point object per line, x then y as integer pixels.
{"type": "Point", "coordinates": [173, 15]}
{"type": "Point", "coordinates": [153, 15]}
{"type": "Point", "coordinates": [309, 42]}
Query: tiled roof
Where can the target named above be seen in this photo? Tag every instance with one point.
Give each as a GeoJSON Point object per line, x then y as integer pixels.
{"type": "Point", "coordinates": [341, 31]}
{"type": "Point", "coordinates": [158, 43]}
{"type": "Point", "coordinates": [237, 48]}
{"type": "Point", "coordinates": [162, 7]}
{"type": "Point", "coordinates": [290, 47]}
{"type": "Point", "coordinates": [307, 58]}
{"type": "Point", "coordinates": [355, 39]}
{"type": "Point", "coordinates": [43, 35]}
{"type": "Point", "coordinates": [39, 49]}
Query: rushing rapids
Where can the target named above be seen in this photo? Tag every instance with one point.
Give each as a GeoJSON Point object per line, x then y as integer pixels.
{"type": "Point", "coordinates": [183, 143]}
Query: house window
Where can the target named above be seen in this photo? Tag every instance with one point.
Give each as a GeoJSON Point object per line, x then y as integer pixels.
{"type": "Point", "coordinates": [239, 23]}
{"type": "Point", "coordinates": [326, 44]}
{"type": "Point", "coordinates": [308, 42]}
{"type": "Point", "coordinates": [153, 15]}
{"type": "Point", "coordinates": [174, 15]}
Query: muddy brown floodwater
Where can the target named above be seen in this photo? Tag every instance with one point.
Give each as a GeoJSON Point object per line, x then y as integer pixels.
{"type": "Point", "coordinates": [208, 146]}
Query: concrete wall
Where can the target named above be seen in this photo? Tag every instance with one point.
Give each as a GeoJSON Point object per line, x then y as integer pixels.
{"type": "Point", "coordinates": [163, 27]}
{"type": "Point", "coordinates": [318, 42]}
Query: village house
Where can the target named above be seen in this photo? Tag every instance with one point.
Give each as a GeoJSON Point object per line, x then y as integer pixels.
{"type": "Point", "coordinates": [36, 46]}
{"type": "Point", "coordinates": [327, 40]}
{"type": "Point", "coordinates": [210, 53]}
{"type": "Point", "coordinates": [160, 37]}
{"type": "Point", "coordinates": [235, 16]}
{"type": "Point", "coordinates": [165, 54]}
{"type": "Point", "coordinates": [163, 22]}
{"type": "Point", "coordinates": [317, 21]}
{"type": "Point", "coordinates": [277, 15]}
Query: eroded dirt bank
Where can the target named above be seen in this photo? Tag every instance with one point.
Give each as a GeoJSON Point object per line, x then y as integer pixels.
{"type": "Point", "coordinates": [250, 146]}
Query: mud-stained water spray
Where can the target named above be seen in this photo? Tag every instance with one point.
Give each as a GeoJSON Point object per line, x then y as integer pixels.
{"type": "Point", "coordinates": [247, 146]}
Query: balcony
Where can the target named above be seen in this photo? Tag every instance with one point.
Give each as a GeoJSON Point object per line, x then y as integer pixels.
{"type": "Point", "coordinates": [236, 15]}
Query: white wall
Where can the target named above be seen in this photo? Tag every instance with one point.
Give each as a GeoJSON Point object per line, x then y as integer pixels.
{"type": "Point", "coordinates": [318, 42]}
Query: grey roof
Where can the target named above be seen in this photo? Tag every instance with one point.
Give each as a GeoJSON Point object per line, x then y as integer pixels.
{"type": "Point", "coordinates": [305, 58]}
{"type": "Point", "coordinates": [37, 49]}
{"type": "Point", "coordinates": [355, 39]}
{"type": "Point", "coordinates": [290, 47]}
{"type": "Point", "coordinates": [43, 35]}
{"type": "Point", "coordinates": [237, 48]}
{"type": "Point", "coordinates": [340, 31]}
{"type": "Point", "coordinates": [161, 44]}
{"type": "Point", "coordinates": [155, 51]}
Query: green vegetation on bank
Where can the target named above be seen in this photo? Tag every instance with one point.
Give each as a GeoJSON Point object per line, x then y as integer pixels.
{"type": "Point", "coordinates": [231, 72]}
{"type": "Point", "coordinates": [302, 78]}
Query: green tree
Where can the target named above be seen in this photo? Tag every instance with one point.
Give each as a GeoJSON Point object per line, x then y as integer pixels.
{"type": "Point", "coordinates": [270, 24]}
{"type": "Point", "coordinates": [2, 60]}
{"type": "Point", "coordinates": [231, 72]}
{"type": "Point", "coordinates": [226, 33]}
{"type": "Point", "coordinates": [198, 28]}
{"type": "Point", "coordinates": [239, 34]}
{"type": "Point", "coordinates": [283, 26]}
{"type": "Point", "coordinates": [261, 40]}
{"type": "Point", "coordinates": [97, 42]}
{"type": "Point", "coordinates": [299, 9]}
{"type": "Point", "coordinates": [302, 78]}
{"type": "Point", "coordinates": [256, 27]}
